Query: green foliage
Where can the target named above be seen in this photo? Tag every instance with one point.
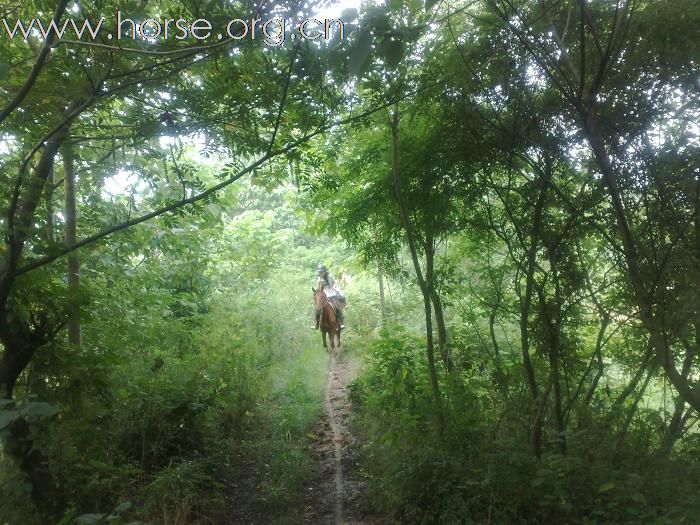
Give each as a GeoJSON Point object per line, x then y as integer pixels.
{"type": "Point", "coordinates": [219, 372]}
{"type": "Point", "coordinates": [547, 153]}
{"type": "Point", "coordinates": [480, 470]}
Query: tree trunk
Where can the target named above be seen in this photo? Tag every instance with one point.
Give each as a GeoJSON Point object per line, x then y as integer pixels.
{"type": "Point", "coordinates": [552, 322]}
{"type": "Point", "coordinates": [525, 303]}
{"type": "Point", "coordinates": [403, 212]}
{"type": "Point", "coordinates": [630, 387]}
{"type": "Point", "coordinates": [73, 262]}
{"type": "Point", "coordinates": [500, 378]}
{"type": "Point", "coordinates": [633, 409]}
{"type": "Point", "coordinates": [17, 350]}
{"type": "Point", "coordinates": [675, 428]}
{"type": "Point", "coordinates": [19, 340]}
{"type": "Point", "coordinates": [17, 354]}
{"type": "Point", "coordinates": [644, 301]}
{"type": "Point", "coordinates": [48, 195]}
{"type": "Point", "coordinates": [382, 301]}
{"type": "Point", "coordinates": [435, 300]}
{"type": "Point", "coordinates": [600, 370]}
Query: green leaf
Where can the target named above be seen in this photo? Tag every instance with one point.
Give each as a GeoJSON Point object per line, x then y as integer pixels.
{"type": "Point", "coordinates": [392, 51]}
{"type": "Point", "coordinates": [638, 497]}
{"type": "Point", "coordinates": [214, 209]}
{"type": "Point", "coordinates": [348, 14]}
{"type": "Point", "coordinates": [7, 417]}
{"type": "Point", "coordinates": [605, 487]}
{"type": "Point", "coordinates": [537, 482]}
{"type": "Point", "coordinates": [358, 59]}
{"type": "Point", "coordinates": [40, 409]}
{"type": "Point", "coordinates": [124, 505]}
{"type": "Point", "coordinates": [90, 519]}
{"type": "Point", "coordinates": [4, 68]}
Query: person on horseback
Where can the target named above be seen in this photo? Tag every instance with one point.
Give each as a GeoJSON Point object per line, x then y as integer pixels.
{"type": "Point", "coordinates": [335, 296]}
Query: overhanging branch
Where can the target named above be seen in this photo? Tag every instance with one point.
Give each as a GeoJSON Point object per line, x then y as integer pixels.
{"type": "Point", "coordinates": [36, 68]}
{"type": "Point", "coordinates": [43, 261]}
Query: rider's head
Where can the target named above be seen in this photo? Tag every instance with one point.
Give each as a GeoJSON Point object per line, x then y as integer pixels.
{"type": "Point", "coordinates": [321, 269]}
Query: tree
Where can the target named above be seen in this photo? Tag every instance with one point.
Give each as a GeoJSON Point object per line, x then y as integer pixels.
{"type": "Point", "coordinates": [628, 42]}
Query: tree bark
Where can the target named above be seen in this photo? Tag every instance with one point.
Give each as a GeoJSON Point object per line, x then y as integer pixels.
{"type": "Point", "coordinates": [382, 301]}
{"type": "Point", "coordinates": [20, 340]}
{"type": "Point", "coordinates": [48, 195]}
{"type": "Point", "coordinates": [73, 263]}
{"type": "Point", "coordinates": [14, 334]}
{"type": "Point", "coordinates": [405, 220]}
{"type": "Point", "coordinates": [633, 409]}
{"type": "Point", "coordinates": [525, 303]}
{"type": "Point", "coordinates": [644, 301]}
{"type": "Point", "coordinates": [436, 302]}
{"type": "Point", "coordinates": [500, 378]}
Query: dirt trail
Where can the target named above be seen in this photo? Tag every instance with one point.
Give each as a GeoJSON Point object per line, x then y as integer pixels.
{"type": "Point", "coordinates": [336, 495]}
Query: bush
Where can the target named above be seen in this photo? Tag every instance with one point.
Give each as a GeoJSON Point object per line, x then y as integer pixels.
{"type": "Point", "coordinates": [480, 468]}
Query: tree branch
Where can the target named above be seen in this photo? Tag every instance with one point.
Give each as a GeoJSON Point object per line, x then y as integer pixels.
{"type": "Point", "coordinates": [182, 202]}
{"type": "Point", "coordinates": [36, 68]}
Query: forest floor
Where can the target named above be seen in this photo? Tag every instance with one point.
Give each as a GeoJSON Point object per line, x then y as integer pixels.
{"type": "Point", "coordinates": [337, 493]}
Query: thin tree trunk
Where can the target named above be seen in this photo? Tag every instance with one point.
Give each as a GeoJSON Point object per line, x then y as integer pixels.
{"type": "Point", "coordinates": [675, 427]}
{"type": "Point", "coordinates": [551, 321]}
{"type": "Point", "coordinates": [644, 301]}
{"type": "Point", "coordinates": [382, 301]}
{"type": "Point", "coordinates": [497, 352]}
{"type": "Point", "coordinates": [525, 303]}
{"type": "Point", "coordinates": [48, 195]}
{"type": "Point", "coordinates": [403, 212]}
{"type": "Point", "coordinates": [600, 339]}
{"type": "Point", "coordinates": [73, 263]}
{"type": "Point", "coordinates": [435, 300]}
{"type": "Point", "coordinates": [633, 409]}
{"type": "Point", "coordinates": [627, 391]}
{"type": "Point", "coordinates": [599, 358]}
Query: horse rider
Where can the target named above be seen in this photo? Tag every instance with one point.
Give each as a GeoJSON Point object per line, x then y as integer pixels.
{"type": "Point", "coordinates": [335, 296]}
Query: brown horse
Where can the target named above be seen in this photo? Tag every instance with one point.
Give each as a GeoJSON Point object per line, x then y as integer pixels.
{"type": "Point", "coordinates": [328, 321]}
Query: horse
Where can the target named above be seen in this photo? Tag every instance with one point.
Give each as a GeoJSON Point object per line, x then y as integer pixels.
{"type": "Point", "coordinates": [328, 322]}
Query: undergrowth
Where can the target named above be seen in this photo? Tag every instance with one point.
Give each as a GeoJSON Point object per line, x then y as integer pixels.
{"type": "Point", "coordinates": [480, 468]}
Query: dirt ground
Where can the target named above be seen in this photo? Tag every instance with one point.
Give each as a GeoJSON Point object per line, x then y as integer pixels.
{"type": "Point", "coordinates": [337, 494]}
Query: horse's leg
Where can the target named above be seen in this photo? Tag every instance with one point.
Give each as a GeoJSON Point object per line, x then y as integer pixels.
{"type": "Point", "coordinates": [323, 336]}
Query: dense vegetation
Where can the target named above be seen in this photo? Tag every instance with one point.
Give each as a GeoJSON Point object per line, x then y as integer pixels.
{"type": "Point", "coordinates": [512, 188]}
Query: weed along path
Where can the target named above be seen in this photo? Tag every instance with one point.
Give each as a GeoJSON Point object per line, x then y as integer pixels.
{"type": "Point", "coordinates": [336, 494]}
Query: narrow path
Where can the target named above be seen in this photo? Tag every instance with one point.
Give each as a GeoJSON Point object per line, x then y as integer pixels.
{"type": "Point", "coordinates": [336, 397]}
{"type": "Point", "coordinates": [337, 494]}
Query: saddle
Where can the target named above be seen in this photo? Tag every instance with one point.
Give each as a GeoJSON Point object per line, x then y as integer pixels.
{"type": "Point", "coordinates": [336, 307]}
